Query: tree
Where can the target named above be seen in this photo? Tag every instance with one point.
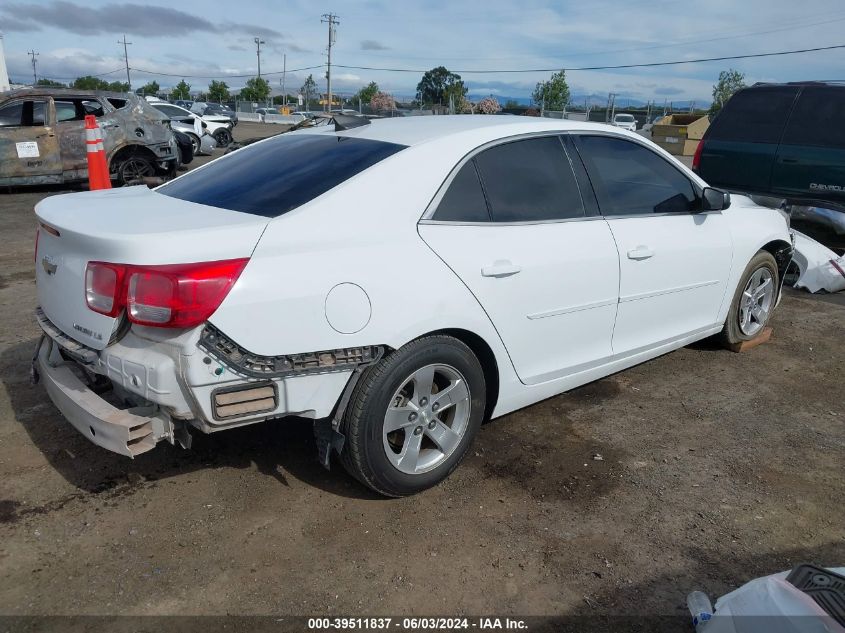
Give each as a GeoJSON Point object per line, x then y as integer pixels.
{"type": "Point", "coordinates": [438, 85]}
{"type": "Point", "coordinates": [366, 94]}
{"type": "Point", "coordinates": [729, 82]}
{"type": "Point", "coordinates": [488, 105]}
{"type": "Point", "coordinates": [89, 83]}
{"type": "Point", "coordinates": [150, 88]}
{"type": "Point", "coordinates": [50, 83]}
{"type": "Point", "coordinates": [511, 103]}
{"type": "Point", "coordinates": [182, 90]}
{"type": "Point", "coordinates": [118, 86]}
{"type": "Point", "coordinates": [381, 101]}
{"type": "Point", "coordinates": [256, 89]}
{"type": "Point", "coordinates": [552, 94]}
{"type": "Point", "coordinates": [308, 89]}
{"type": "Point", "coordinates": [218, 91]}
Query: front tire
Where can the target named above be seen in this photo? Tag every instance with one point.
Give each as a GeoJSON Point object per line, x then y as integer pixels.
{"type": "Point", "coordinates": [754, 300]}
{"type": "Point", "coordinates": [413, 416]}
{"type": "Point", "coordinates": [223, 137]}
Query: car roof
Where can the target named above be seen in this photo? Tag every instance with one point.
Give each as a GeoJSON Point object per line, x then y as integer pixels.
{"type": "Point", "coordinates": [421, 129]}
{"type": "Point", "coordinates": [47, 91]}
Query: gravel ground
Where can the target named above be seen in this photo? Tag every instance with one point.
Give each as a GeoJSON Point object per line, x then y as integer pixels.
{"type": "Point", "coordinates": [698, 470]}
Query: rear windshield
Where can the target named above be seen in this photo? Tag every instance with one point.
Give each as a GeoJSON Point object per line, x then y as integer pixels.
{"type": "Point", "coordinates": [756, 115]}
{"type": "Point", "coordinates": [280, 174]}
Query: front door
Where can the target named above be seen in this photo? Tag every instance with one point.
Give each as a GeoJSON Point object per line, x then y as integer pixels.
{"type": "Point", "coordinates": [674, 260]}
{"type": "Point", "coordinates": [513, 227]}
{"type": "Point", "coordinates": [29, 152]}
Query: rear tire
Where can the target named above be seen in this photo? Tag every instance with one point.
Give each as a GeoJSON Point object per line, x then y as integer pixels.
{"type": "Point", "coordinates": [754, 300]}
{"type": "Point", "coordinates": [133, 168]}
{"type": "Point", "coordinates": [403, 432]}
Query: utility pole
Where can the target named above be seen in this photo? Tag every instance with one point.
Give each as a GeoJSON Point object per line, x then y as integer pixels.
{"type": "Point", "coordinates": [332, 21]}
{"type": "Point", "coordinates": [33, 54]}
{"type": "Point", "coordinates": [284, 77]}
{"type": "Point", "coordinates": [126, 59]}
{"type": "Point", "coordinates": [258, 42]}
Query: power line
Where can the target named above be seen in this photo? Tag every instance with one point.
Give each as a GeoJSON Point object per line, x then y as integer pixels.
{"type": "Point", "coordinates": [275, 72]}
{"type": "Point", "coordinates": [618, 67]}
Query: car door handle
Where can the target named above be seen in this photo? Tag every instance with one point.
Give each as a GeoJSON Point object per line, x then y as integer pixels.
{"type": "Point", "coordinates": [500, 268]}
{"type": "Point", "coordinates": [641, 252]}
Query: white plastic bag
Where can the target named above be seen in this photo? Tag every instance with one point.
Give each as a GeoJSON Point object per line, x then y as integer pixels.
{"type": "Point", "coordinates": [770, 605]}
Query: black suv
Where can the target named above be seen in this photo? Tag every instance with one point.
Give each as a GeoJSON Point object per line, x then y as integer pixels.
{"type": "Point", "coordinates": [780, 140]}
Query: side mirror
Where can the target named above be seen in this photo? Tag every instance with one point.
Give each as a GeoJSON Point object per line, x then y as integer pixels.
{"type": "Point", "coordinates": [713, 199]}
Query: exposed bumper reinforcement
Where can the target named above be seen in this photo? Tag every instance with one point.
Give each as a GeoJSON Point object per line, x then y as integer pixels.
{"type": "Point", "coordinates": [128, 432]}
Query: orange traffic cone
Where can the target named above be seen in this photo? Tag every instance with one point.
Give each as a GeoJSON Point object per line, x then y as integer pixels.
{"type": "Point", "coordinates": [98, 170]}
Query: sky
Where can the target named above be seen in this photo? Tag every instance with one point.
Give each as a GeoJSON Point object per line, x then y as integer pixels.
{"type": "Point", "coordinates": [202, 38]}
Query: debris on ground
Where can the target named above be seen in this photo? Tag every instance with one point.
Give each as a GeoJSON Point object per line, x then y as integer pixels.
{"type": "Point", "coordinates": [820, 268]}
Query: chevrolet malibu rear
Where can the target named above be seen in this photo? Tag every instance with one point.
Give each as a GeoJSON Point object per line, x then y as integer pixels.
{"type": "Point", "coordinates": [398, 282]}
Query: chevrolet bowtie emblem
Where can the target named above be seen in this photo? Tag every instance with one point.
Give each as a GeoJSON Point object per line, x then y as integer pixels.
{"type": "Point", "coordinates": [49, 265]}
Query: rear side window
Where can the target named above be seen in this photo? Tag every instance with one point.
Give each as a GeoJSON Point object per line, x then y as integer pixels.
{"type": "Point", "coordinates": [529, 181]}
{"type": "Point", "coordinates": [630, 179]}
{"type": "Point", "coordinates": [117, 104]}
{"type": "Point", "coordinates": [272, 177]}
{"type": "Point", "coordinates": [818, 119]}
{"type": "Point", "coordinates": [757, 115]}
{"type": "Point", "coordinates": [464, 200]}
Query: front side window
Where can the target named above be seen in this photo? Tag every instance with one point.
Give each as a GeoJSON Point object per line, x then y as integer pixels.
{"type": "Point", "coordinates": [529, 180]}
{"type": "Point", "coordinates": [275, 176]}
{"type": "Point", "coordinates": [630, 179]}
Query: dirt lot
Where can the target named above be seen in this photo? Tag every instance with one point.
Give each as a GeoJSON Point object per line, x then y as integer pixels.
{"type": "Point", "coordinates": [714, 468]}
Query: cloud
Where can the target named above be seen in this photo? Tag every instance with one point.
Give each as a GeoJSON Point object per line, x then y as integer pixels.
{"type": "Point", "coordinates": [372, 45]}
{"type": "Point", "coordinates": [668, 91]}
{"type": "Point", "coordinates": [236, 47]}
{"type": "Point", "coordinates": [10, 24]}
{"type": "Point", "coordinates": [126, 17]}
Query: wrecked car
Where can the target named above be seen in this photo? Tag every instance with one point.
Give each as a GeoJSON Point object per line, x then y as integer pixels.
{"type": "Point", "coordinates": [526, 257]}
{"type": "Point", "coordinates": [42, 136]}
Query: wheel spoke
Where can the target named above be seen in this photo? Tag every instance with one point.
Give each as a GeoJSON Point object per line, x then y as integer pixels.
{"type": "Point", "coordinates": [761, 289]}
{"type": "Point", "coordinates": [445, 438]}
{"type": "Point", "coordinates": [451, 395]}
{"type": "Point", "coordinates": [423, 382]}
{"type": "Point", "coordinates": [399, 418]}
{"type": "Point", "coordinates": [410, 454]}
{"type": "Point", "coordinates": [745, 318]}
{"type": "Point", "coordinates": [760, 314]}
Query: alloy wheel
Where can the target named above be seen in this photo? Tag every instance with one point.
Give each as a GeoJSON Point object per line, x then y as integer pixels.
{"type": "Point", "coordinates": [756, 301]}
{"type": "Point", "coordinates": [426, 419]}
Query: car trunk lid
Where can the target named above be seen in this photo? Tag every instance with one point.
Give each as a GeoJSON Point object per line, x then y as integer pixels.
{"type": "Point", "coordinates": [131, 225]}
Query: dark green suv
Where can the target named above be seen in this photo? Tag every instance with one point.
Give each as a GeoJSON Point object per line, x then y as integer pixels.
{"type": "Point", "coordinates": [780, 140]}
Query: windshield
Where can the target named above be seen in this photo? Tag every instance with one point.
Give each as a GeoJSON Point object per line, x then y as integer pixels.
{"type": "Point", "coordinates": [272, 177]}
{"type": "Point", "coordinates": [625, 118]}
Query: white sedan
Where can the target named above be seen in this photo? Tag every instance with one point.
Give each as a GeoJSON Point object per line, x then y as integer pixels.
{"type": "Point", "coordinates": [626, 122]}
{"type": "Point", "coordinates": [398, 281]}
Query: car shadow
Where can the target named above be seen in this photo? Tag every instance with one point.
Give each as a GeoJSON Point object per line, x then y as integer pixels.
{"type": "Point", "coordinates": [281, 449]}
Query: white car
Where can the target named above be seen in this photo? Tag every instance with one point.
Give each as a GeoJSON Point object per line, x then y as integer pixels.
{"type": "Point", "coordinates": [220, 128]}
{"type": "Point", "coordinates": [626, 122]}
{"type": "Point", "coordinates": [409, 279]}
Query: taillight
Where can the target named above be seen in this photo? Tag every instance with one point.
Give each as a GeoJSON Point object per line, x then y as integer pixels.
{"type": "Point", "coordinates": [104, 287]}
{"type": "Point", "coordinates": [173, 296]}
{"type": "Point", "coordinates": [696, 159]}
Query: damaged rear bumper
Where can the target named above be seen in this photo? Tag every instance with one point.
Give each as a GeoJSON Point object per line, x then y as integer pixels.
{"type": "Point", "coordinates": [128, 432]}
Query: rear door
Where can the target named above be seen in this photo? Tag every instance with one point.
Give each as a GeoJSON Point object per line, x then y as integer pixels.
{"type": "Point", "coordinates": [513, 226]}
{"type": "Point", "coordinates": [29, 151]}
{"type": "Point", "coordinates": [811, 159]}
{"type": "Point", "coordinates": [741, 144]}
{"type": "Point", "coordinates": [674, 260]}
{"type": "Point", "coordinates": [70, 126]}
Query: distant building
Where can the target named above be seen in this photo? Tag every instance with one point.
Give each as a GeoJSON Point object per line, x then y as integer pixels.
{"type": "Point", "coordinates": [4, 74]}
